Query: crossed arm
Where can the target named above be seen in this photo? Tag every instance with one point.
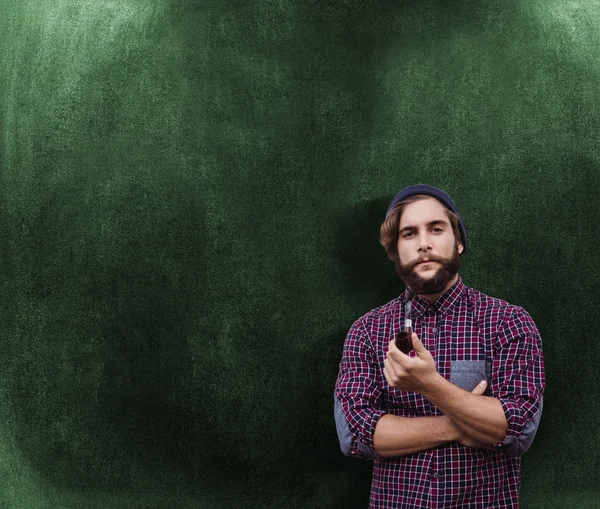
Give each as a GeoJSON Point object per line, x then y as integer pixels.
{"type": "Point", "coordinates": [509, 420]}
{"type": "Point", "coordinates": [470, 418]}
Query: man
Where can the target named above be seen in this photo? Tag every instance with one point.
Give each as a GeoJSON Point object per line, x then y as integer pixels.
{"type": "Point", "coordinates": [447, 423]}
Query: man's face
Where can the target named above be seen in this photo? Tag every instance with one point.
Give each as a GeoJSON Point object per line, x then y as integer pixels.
{"type": "Point", "coordinates": [425, 234]}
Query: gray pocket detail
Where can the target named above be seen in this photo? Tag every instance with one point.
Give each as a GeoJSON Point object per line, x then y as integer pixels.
{"type": "Point", "coordinates": [467, 374]}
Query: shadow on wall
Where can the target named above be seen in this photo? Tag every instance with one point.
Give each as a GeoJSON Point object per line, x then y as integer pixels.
{"type": "Point", "coordinates": [366, 279]}
{"type": "Point", "coordinates": [368, 276]}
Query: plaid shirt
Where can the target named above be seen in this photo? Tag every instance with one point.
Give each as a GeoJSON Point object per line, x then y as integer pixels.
{"type": "Point", "coordinates": [471, 337]}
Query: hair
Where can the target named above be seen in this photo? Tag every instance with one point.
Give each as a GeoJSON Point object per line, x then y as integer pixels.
{"type": "Point", "coordinates": [388, 232]}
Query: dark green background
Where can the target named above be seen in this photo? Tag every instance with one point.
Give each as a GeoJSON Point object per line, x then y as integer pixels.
{"type": "Point", "coordinates": [190, 199]}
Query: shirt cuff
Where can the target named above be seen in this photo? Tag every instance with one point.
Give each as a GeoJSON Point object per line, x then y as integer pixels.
{"type": "Point", "coordinates": [368, 428]}
{"type": "Point", "coordinates": [514, 418]}
{"type": "Point", "coordinates": [362, 443]}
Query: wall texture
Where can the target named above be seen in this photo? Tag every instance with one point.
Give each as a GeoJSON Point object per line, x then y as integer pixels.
{"type": "Point", "coordinates": [190, 197]}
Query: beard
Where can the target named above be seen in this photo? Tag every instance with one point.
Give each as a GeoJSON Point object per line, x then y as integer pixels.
{"type": "Point", "coordinates": [435, 284]}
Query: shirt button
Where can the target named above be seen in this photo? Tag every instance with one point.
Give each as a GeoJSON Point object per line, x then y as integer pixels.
{"type": "Point", "coordinates": [434, 329]}
{"type": "Point", "coordinates": [436, 475]}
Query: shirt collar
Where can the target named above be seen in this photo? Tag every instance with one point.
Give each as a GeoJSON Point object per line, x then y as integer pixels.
{"type": "Point", "coordinates": [442, 305]}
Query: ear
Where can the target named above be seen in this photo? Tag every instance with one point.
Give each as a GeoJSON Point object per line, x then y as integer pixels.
{"type": "Point", "coordinates": [460, 248]}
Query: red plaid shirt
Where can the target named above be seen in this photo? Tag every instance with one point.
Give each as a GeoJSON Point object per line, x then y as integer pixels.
{"type": "Point", "coordinates": [471, 336]}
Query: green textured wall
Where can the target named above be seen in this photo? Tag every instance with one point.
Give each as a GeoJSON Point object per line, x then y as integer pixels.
{"type": "Point", "coordinates": [190, 198]}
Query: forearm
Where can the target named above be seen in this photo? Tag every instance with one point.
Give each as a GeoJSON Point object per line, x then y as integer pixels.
{"type": "Point", "coordinates": [399, 436]}
{"type": "Point", "coordinates": [481, 417]}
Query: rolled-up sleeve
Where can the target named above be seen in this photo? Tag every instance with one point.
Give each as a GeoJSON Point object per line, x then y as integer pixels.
{"type": "Point", "coordinates": [357, 395]}
{"type": "Point", "coordinates": [518, 379]}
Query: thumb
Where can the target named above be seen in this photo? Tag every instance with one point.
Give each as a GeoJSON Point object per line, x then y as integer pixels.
{"type": "Point", "coordinates": [480, 389]}
{"type": "Point", "coordinates": [417, 344]}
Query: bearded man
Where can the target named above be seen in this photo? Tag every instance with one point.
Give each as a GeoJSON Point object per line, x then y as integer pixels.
{"type": "Point", "coordinates": [445, 424]}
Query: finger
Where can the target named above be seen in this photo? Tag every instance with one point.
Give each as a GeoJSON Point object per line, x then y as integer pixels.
{"type": "Point", "coordinates": [420, 349]}
{"type": "Point", "coordinates": [394, 372]}
{"type": "Point", "coordinates": [480, 388]}
{"type": "Point", "coordinates": [389, 367]}
{"type": "Point", "coordinates": [387, 376]}
{"type": "Point", "coordinates": [386, 369]}
{"type": "Point", "coordinates": [417, 344]}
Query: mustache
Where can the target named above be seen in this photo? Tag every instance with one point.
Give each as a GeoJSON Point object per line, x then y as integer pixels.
{"type": "Point", "coordinates": [429, 258]}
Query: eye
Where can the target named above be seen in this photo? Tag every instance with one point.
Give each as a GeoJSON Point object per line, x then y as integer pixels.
{"type": "Point", "coordinates": [407, 234]}
{"type": "Point", "coordinates": [437, 229]}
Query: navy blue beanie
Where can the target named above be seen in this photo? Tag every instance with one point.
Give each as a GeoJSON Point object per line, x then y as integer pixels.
{"type": "Point", "coordinates": [437, 194]}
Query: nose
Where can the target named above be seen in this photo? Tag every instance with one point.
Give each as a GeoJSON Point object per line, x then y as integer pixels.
{"type": "Point", "coordinates": [424, 243]}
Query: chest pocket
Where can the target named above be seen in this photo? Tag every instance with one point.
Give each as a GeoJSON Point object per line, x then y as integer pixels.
{"type": "Point", "coordinates": [467, 374]}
